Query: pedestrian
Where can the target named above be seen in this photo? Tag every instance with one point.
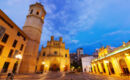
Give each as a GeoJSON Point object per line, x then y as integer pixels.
{"type": "Point", "coordinates": [10, 76]}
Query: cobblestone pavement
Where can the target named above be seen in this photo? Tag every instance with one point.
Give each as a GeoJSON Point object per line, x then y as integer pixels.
{"type": "Point", "coordinates": [68, 76]}
{"type": "Point", "coordinates": [80, 76]}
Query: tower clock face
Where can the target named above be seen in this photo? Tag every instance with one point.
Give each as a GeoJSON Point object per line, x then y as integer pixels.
{"type": "Point", "coordinates": [2, 31]}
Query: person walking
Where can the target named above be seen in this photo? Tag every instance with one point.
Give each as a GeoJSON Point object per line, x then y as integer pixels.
{"type": "Point", "coordinates": [10, 76]}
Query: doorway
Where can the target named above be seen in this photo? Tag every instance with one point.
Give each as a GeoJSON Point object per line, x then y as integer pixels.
{"type": "Point", "coordinates": [111, 68]}
{"type": "Point", "coordinates": [123, 66]}
{"type": "Point", "coordinates": [54, 67]}
{"type": "Point", "coordinates": [42, 68]}
{"type": "Point", "coordinates": [103, 68]}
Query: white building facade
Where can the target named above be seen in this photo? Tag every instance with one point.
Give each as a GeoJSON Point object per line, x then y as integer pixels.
{"type": "Point", "coordinates": [86, 63]}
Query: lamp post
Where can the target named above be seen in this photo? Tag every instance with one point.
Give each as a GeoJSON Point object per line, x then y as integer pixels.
{"type": "Point", "coordinates": [18, 57]}
{"type": "Point", "coordinates": [43, 62]}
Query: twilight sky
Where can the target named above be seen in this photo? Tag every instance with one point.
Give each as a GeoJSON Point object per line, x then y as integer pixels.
{"type": "Point", "coordinates": [82, 23]}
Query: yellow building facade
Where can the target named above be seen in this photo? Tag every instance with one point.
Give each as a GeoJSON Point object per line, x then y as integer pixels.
{"type": "Point", "coordinates": [54, 57]}
{"type": "Point", "coordinates": [12, 44]}
{"type": "Point", "coordinates": [113, 61]}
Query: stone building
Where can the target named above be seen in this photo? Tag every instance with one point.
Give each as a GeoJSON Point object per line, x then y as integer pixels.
{"type": "Point", "coordinates": [12, 44]}
{"type": "Point", "coordinates": [33, 28]}
{"type": "Point", "coordinates": [79, 53]}
{"type": "Point", "coordinates": [86, 63]}
{"type": "Point", "coordinates": [54, 57]}
{"type": "Point", "coordinates": [113, 61]}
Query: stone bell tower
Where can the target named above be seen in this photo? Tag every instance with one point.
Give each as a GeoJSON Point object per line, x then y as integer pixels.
{"type": "Point", "coordinates": [33, 29]}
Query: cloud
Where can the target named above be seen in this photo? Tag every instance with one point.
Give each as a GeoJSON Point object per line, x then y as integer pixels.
{"type": "Point", "coordinates": [71, 18]}
{"type": "Point", "coordinates": [118, 32]}
{"type": "Point", "coordinates": [75, 41]}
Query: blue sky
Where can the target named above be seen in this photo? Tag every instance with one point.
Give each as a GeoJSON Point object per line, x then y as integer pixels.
{"type": "Point", "coordinates": [82, 23]}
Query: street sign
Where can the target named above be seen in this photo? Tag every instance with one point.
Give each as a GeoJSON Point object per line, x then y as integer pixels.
{"type": "Point", "coordinates": [2, 31]}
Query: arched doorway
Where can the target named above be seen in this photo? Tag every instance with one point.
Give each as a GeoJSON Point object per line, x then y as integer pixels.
{"type": "Point", "coordinates": [111, 68]}
{"type": "Point", "coordinates": [15, 67]}
{"type": "Point", "coordinates": [123, 66]}
{"type": "Point", "coordinates": [66, 68]}
{"type": "Point", "coordinates": [54, 67]}
{"type": "Point", "coordinates": [42, 68]}
{"type": "Point", "coordinates": [103, 68]}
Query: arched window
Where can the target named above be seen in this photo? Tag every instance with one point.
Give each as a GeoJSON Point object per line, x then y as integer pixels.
{"type": "Point", "coordinates": [31, 11]}
{"type": "Point", "coordinates": [37, 12]}
{"type": "Point", "coordinates": [65, 55]}
{"type": "Point", "coordinates": [55, 52]}
{"type": "Point", "coordinates": [44, 53]}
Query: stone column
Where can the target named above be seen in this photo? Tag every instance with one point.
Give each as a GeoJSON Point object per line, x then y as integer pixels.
{"type": "Point", "coordinates": [106, 67]}
{"type": "Point", "coordinates": [100, 67]}
{"type": "Point", "coordinates": [116, 66]}
{"type": "Point", "coordinates": [127, 59]}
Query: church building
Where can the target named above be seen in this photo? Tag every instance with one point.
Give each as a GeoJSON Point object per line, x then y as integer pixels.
{"type": "Point", "coordinates": [54, 57]}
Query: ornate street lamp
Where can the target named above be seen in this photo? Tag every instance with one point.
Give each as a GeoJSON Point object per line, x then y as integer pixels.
{"type": "Point", "coordinates": [18, 56]}
{"type": "Point", "coordinates": [43, 62]}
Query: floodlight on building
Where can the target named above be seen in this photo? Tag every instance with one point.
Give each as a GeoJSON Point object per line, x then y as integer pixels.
{"type": "Point", "coordinates": [106, 61]}
{"type": "Point", "coordinates": [46, 65]}
{"type": "Point", "coordinates": [126, 54]}
{"type": "Point", "coordinates": [43, 62]}
{"type": "Point", "coordinates": [63, 65]}
{"type": "Point", "coordinates": [18, 56]}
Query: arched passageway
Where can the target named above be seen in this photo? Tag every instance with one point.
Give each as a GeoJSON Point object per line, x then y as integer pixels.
{"type": "Point", "coordinates": [66, 68]}
{"type": "Point", "coordinates": [42, 68]}
{"type": "Point", "coordinates": [54, 67]}
{"type": "Point", "coordinates": [103, 68]}
{"type": "Point", "coordinates": [123, 66]}
{"type": "Point", "coordinates": [111, 68]}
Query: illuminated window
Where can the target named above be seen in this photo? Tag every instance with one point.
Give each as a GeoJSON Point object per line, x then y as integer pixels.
{"type": "Point", "coordinates": [42, 17]}
{"type": "Point", "coordinates": [5, 38]}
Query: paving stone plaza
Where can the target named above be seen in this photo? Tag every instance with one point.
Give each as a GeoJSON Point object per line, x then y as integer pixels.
{"type": "Point", "coordinates": [66, 76]}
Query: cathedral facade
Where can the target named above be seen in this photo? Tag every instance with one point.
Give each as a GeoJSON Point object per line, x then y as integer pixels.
{"type": "Point", "coordinates": [54, 57]}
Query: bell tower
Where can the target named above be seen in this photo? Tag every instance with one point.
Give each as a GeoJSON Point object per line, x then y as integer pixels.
{"type": "Point", "coordinates": [33, 29]}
